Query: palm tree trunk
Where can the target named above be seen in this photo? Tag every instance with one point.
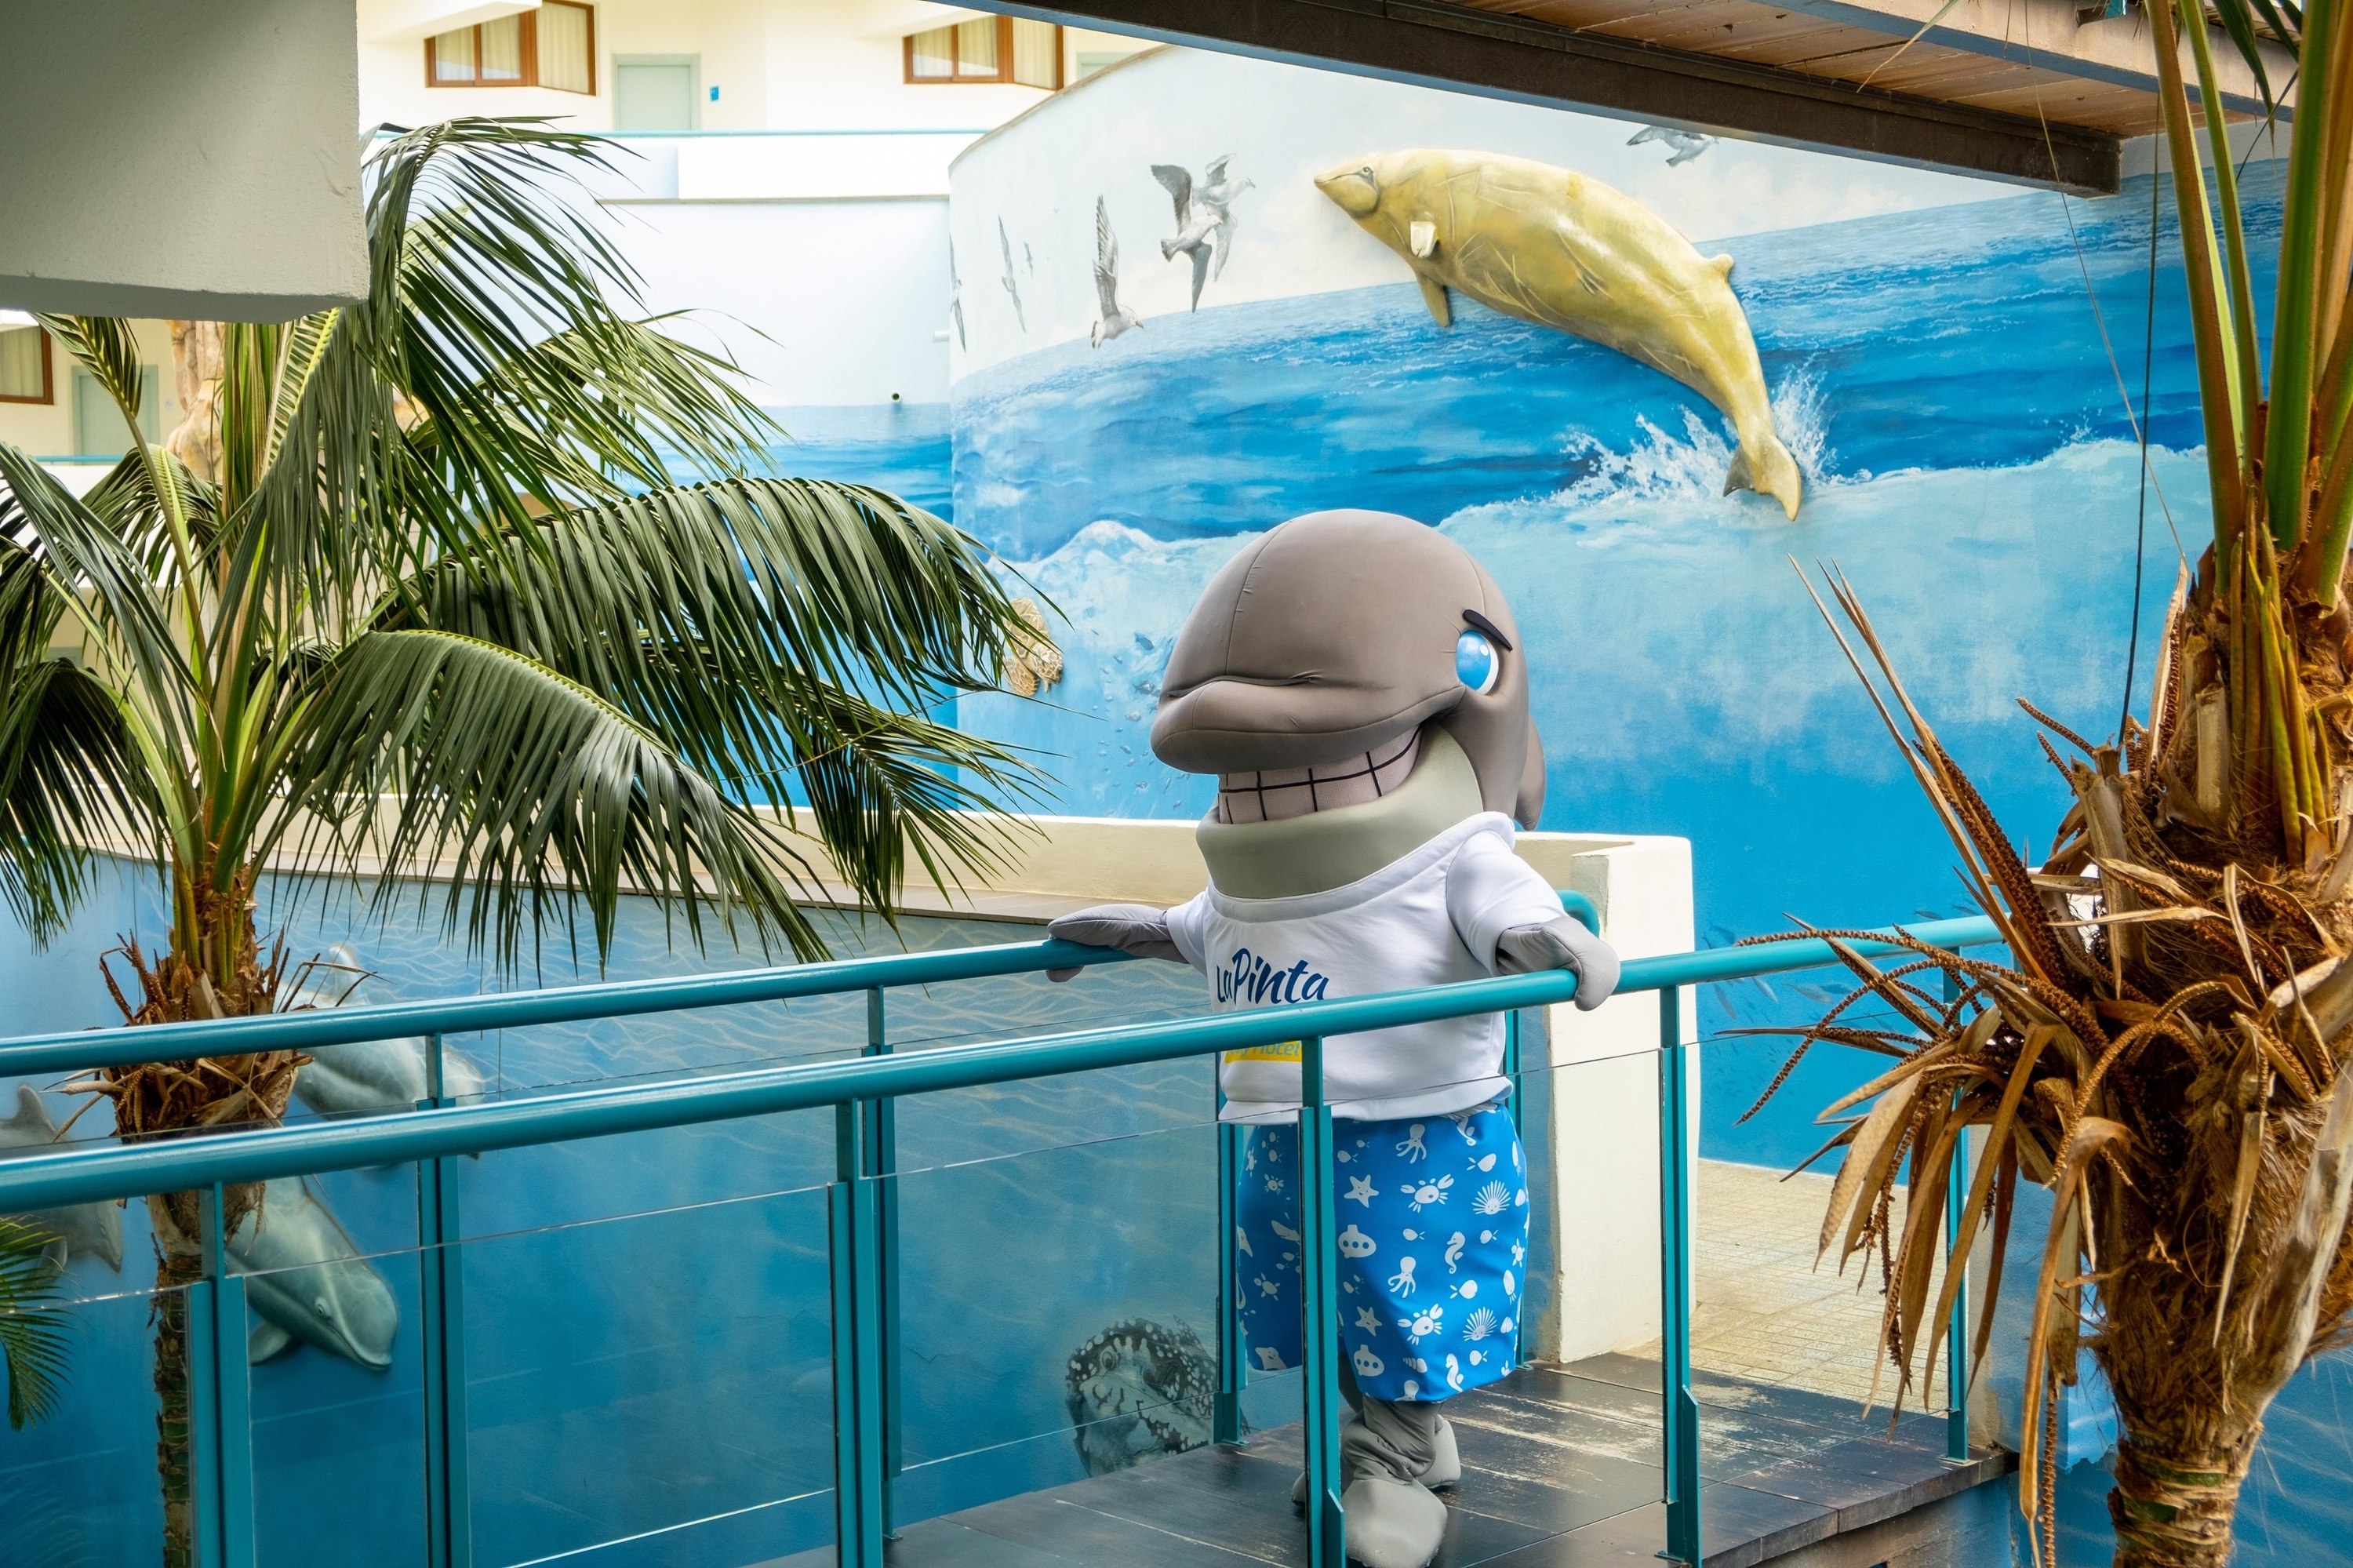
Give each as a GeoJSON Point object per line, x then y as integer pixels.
{"type": "Point", "coordinates": [175, 1271]}
{"type": "Point", "coordinates": [172, 1099]}
{"type": "Point", "coordinates": [2176, 1493]}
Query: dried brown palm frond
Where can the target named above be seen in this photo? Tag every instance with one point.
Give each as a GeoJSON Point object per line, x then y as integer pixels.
{"type": "Point", "coordinates": [2166, 1052]}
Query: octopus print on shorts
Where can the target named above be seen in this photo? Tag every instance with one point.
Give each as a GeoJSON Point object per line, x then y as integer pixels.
{"type": "Point", "coordinates": [1434, 1245]}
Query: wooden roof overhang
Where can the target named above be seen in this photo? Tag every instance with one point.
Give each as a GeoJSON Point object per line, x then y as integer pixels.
{"type": "Point", "coordinates": [2038, 91]}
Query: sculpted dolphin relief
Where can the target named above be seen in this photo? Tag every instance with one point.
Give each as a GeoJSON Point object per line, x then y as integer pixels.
{"type": "Point", "coordinates": [308, 1283]}
{"type": "Point", "coordinates": [1550, 245]}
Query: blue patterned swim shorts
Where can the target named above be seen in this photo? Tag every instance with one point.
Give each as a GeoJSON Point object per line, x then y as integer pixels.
{"type": "Point", "coordinates": [1433, 1218]}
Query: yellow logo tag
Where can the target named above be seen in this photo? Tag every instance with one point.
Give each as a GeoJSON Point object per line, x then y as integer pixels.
{"type": "Point", "coordinates": [1283, 1051]}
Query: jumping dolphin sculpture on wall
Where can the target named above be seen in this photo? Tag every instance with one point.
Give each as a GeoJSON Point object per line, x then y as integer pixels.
{"type": "Point", "coordinates": [1552, 246]}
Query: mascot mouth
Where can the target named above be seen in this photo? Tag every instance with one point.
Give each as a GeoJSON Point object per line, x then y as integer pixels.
{"type": "Point", "coordinates": [1273, 795]}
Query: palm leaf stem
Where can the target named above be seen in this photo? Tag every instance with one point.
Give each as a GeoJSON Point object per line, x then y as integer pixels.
{"type": "Point", "coordinates": [2215, 377]}
{"type": "Point", "coordinates": [2239, 290]}
{"type": "Point", "coordinates": [2287, 426]}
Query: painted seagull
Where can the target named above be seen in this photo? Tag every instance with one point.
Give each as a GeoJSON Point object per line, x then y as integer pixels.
{"type": "Point", "coordinates": [1686, 144]}
{"type": "Point", "coordinates": [955, 297]}
{"type": "Point", "coordinates": [1205, 223]}
{"type": "Point", "coordinates": [1116, 317]}
{"type": "Point", "coordinates": [1011, 287]}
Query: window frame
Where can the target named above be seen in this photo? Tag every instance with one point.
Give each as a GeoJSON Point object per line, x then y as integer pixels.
{"type": "Point", "coordinates": [1003, 76]}
{"type": "Point", "coordinates": [48, 373]}
{"type": "Point", "coordinates": [527, 43]}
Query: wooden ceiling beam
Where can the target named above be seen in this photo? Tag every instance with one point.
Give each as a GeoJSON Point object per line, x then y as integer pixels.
{"type": "Point", "coordinates": [1436, 43]}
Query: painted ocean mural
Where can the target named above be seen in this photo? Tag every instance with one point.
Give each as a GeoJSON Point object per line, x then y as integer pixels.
{"type": "Point", "coordinates": [1954, 383]}
{"type": "Point", "coordinates": [1946, 385]}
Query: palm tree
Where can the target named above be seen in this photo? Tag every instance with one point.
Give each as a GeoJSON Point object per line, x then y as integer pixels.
{"type": "Point", "coordinates": [414, 593]}
{"type": "Point", "coordinates": [2168, 1049]}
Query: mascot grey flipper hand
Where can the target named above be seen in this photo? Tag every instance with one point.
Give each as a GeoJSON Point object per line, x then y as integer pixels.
{"type": "Point", "coordinates": [1355, 681]}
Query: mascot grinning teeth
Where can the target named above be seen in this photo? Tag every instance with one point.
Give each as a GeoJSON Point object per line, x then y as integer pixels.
{"type": "Point", "coordinates": [1355, 681]}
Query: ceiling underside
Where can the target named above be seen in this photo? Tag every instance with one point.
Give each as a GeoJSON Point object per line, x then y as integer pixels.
{"type": "Point", "coordinates": [2029, 91]}
{"type": "Point", "coordinates": [1814, 45]}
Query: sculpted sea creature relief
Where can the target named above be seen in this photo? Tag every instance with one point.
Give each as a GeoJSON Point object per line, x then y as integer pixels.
{"type": "Point", "coordinates": [1205, 220]}
{"type": "Point", "coordinates": [1552, 246]}
{"type": "Point", "coordinates": [1139, 1390]}
{"type": "Point", "coordinates": [1012, 284]}
{"type": "Point", "coordinates": [93, 1230]}
{"type": "Point", "coordinates": [1115, 318]}
{"type": "Point", "coordinates": [1686, 145]}
{"type": "Point", "coordinates": [309, 1283]}
{"type": "Point", "coordinates": [367, 1074]}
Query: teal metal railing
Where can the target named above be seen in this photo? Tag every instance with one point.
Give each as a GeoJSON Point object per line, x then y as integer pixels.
{"type": "Point", "coordinates": [862, 1091]}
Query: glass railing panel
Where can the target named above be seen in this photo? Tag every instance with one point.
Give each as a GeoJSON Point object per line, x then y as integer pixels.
{"type": "Point", "coordinates": [80, 1484]}
{"type": "Point", "coordinates": [1059, 1314]}
{"type": "Point", "coordinates": [331, 1341]}
{"type": "Point", "coordinates": [661, 1379]}
{"type": "Point", "coordinates": [1574, 1436]}
{"type": "Point", "coordinates": [650, 1389]}
{"type": "Point", "coordinates": [1786, 1336]}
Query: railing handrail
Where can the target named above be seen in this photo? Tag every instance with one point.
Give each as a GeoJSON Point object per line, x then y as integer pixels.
{"type": "Point", "coordinates": [86, 1175]}
{"type": "Point", "coordinates": [80, 1049]}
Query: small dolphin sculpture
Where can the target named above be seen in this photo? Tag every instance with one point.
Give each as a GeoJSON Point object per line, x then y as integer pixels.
{"type": "Point", "coordinates": [1552, 246]}
{"type": "Point", "coordinates": [90, 1229]}
{"type": "Point", "coordinates": [1116, 318]}
{"type": "Point", "coordinates": [308, 1282]}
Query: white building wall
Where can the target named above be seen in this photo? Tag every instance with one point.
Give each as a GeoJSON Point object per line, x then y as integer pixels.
{"type": "Point", "coordinates": [779, 65]}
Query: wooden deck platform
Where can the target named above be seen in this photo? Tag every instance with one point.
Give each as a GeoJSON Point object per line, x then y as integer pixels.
{"type": "Point", "coordinates": [1561, 1469]}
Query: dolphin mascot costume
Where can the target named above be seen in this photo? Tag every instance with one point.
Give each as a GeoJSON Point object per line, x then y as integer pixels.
{"type": "Point", "coordinates": [1355, 681]}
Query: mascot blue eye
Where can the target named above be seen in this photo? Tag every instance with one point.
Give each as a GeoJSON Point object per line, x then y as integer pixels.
{"type": "Point", "coordinates": [1476, 665]}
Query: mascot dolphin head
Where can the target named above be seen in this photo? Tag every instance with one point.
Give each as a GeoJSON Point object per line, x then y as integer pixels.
{"type": "Point", "coordinates": [1341, 634]}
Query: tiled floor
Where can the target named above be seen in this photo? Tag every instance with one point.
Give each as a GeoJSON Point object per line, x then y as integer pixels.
{"type": "Point", "coordinates": [1765, 1314]}
{"type": "Point", "coordinates": [1561, 1470]}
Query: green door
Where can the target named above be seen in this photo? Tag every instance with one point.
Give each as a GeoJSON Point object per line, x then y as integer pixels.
{"type": "Point", "coordinates": [653, 95]}
{"type": "Point", "coordinates": [98, 427]}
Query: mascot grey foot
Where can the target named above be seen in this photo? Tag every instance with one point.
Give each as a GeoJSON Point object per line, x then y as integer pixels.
{"type": "Point", "coordinates": [1354, 681]}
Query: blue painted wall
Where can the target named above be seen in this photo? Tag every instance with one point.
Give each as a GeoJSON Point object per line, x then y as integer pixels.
{"type": "Point", "coordinates": [1943, 378]}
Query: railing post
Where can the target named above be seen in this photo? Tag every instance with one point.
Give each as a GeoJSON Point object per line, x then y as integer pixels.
{"type": "Point", "coordinates": [1676, 1182]}
{"type": "Point", "coordinates": [881, 1149]}
{"type": "Point", "coordinates": [449, 1514]}
{"type": "Point", "coordinates": [1957, 1359]}
{"type": "Point", "coordinates": [1233, 1367]}
{"type": "Point", "coordinates": [220, 1406]}
{"type": "Point", "coordinates": [1327, 1529]}
{"type": "Point", "coordinates": [854, 1248]}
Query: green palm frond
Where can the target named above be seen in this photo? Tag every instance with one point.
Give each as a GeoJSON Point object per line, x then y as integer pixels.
{"type": "Point", "coordinates": [534, 795]}
{"type": "Point", "coordinates": [34, 1335]}
{"type": "Point", "coordinates": [108, 350]}
{"type": "Point", "coordinates": [440, 555]}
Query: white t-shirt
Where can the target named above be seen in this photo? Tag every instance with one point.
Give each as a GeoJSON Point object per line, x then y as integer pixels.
{"type": "Point", "coordinates": [1426, 919]}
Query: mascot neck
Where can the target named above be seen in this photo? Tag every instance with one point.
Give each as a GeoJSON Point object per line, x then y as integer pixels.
{"type": "Point", "coordinates": [1324, 850]}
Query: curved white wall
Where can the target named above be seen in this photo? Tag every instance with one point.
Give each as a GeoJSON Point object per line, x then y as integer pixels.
{"type": "Point", "coordinates": [1039, 175]}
